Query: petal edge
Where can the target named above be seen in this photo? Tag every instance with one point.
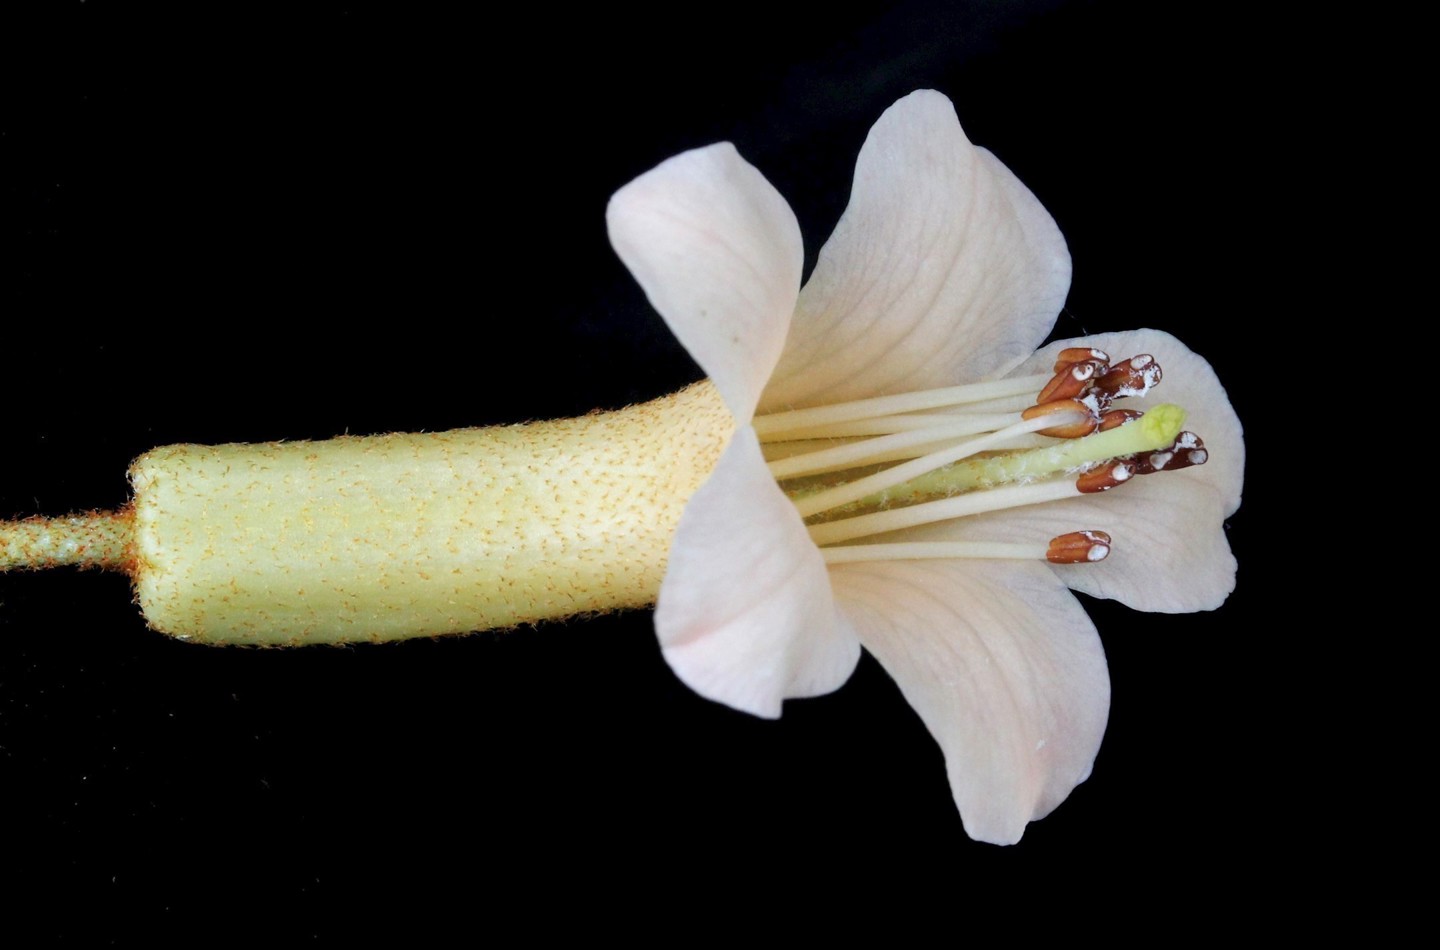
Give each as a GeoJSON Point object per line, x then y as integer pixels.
{"type": "Point", "coordinates": [718, 253]}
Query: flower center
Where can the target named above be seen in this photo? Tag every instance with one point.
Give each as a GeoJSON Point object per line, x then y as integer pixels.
{"type": "Point", "coordinates": [879, 465]}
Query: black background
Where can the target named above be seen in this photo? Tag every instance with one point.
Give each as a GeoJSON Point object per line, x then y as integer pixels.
{"type": "Point", "coordinates": [226, 225]}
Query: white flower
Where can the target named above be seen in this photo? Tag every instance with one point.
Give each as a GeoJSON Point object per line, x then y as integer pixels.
{"type": "Point", "coordinates": [944, 270]}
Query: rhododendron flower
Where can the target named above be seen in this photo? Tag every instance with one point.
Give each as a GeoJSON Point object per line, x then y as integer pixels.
{"type": "Point", "coordinates": [887, 485]}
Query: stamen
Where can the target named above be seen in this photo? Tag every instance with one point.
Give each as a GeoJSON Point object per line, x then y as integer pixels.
{"type": "Point", "coordinates": [838, 458]}
{"type": "Point", "coordinates": [936, 474]}
{"type": "Point", "coordinates": [1105, 477]}
{"type": "Point", "coordinates": [774, 451]}
{"type": "Point", "coordinates": [1133, 377]}
{"type": "Point", "coordinates": [924, 550]}
{"type": "Point", "coordinates": [1071, 381]}
{"type": "Point", "coordinates": [904, 472]}
{"type": "Point", "coordinates": [775, 424]}
{"type": "Point", "coordinates": [1079, 547]}
{"type": "Point", "coordinates": [1194, 449]}
{"type": "Point", "coordinates": [1074, 430]}
{"type": "Point", "coordinates": [1186, 451]}
{"type": "Point", "coordinates": [970, 503]}
{"type": "Point", "coordinates": [1118, 417]}
{"type": "Point", "coordinates": [1077, 354]}
{"type": "Point", "coordinates": [1157, 430]}
{"type": "Point", "coordinates": [1003, 468]}
{"type": "Point", "coordinates": [888, 425]}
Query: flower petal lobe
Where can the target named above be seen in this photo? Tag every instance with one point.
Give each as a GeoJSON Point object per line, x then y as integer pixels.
{"type": "Point", "coordinates": [719, 255]}
{"type": "Point", "coordinates": [1003, 667]}
{"type": "Point", "coordinates": [745, 615]}
{"type": "Point", "coordinates": [943, 269]}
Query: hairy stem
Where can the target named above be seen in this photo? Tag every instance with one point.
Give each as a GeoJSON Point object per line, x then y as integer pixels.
{"type": "Point", "coordinates": [102, 539]}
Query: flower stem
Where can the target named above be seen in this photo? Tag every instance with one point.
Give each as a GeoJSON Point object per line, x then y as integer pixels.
{"type": "Point", "coordinates": [97, 539]}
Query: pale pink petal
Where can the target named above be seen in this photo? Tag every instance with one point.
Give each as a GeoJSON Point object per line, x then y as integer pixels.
{"type": "Point", "coordinates": [745, 615]}
{"type": "Point", "coordinates": [1169, 551]}
{"type": "Point", "coordinates": [718, 252]}
{"type": "Point", "coordinates": [944, 269]}
{"type": "Point", "coordinates": [1003, 667]}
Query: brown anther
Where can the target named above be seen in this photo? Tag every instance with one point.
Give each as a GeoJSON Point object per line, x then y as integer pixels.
{"type": "Point", "coordinates": [1079, 354]}
{"type": "Point", "coordinates": [1187, 450]}
{"type": "Point", "coordinates": [1106, 477]}
{"type": "Point", "coordinates": [1133, 377]}
{"type": "Point", "coordinates": [1079, 547]}
{"type": "Point", "coordinates": [1071, 381]}
{"type": "Point", "coordinates": [1118, 417]}
{"type": "Point", "coordinates": [1148, 463]}
{"type": "Point", "coordinates": [1070, 430]}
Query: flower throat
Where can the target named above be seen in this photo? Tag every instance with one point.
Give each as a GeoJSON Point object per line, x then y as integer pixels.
{"type": "Point", "coordinates": [966, 450]}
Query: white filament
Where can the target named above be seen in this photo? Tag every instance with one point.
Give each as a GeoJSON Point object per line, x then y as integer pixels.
{"type": "Point", "coordinates": [777, 424]}
{"type": "Point", "coordinates": [970, 503]}
{"type": "Point", "coordinates": [882, 448]}
{"type": "Point", "coordinates": [917, 550]}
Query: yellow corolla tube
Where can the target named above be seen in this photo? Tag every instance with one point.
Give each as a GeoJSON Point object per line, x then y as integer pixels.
{"type": "Point", "coordinates": [394, 536]}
